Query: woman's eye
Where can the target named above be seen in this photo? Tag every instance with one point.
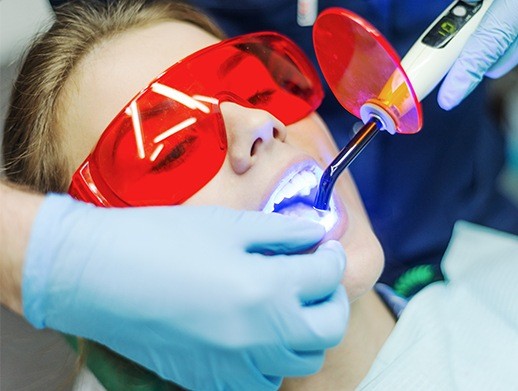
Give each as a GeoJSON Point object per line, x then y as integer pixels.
{"type": "Point", "coordinates": [261, 97]}
{"type": "Point", "coordinates": [174, 155]}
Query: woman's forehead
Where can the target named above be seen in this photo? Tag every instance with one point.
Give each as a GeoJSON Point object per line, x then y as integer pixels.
{"type": "Point", "coordinates": [124, 65]}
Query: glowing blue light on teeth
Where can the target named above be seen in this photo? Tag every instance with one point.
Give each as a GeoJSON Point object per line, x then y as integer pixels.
{"type": "Point", "coordinates": [295, 197]}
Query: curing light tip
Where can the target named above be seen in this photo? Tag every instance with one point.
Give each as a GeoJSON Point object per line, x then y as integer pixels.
{"type": "Point", "coordinates": [342, 161]}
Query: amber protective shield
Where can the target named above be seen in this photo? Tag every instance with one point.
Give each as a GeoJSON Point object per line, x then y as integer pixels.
{"type": "Point", "coordinates": [362, 68]}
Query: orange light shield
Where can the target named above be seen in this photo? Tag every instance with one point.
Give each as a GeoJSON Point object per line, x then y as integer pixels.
{"type": "Point", "coordinates": [361, 67]}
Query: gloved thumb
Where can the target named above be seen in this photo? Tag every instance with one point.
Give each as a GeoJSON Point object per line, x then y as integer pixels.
{"type": "Point", "coordinates": [507, 62]}
{"type": "Point", "coordinates": [491, 47]}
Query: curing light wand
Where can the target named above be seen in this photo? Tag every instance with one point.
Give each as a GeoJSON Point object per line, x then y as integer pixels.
{"type": "Point", "coordinates": [343, 160]}
{"type": "Point", "coordinates": [389, 99]}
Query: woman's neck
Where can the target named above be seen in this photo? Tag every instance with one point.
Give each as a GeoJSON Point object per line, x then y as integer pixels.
{"type": "Point", "coordinates": [346, 365]}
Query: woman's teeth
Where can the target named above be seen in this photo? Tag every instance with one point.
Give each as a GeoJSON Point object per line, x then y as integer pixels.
{"type": "Point", "coordinates": [295, 196]}
{"type": "Point", "coordinates": [301, 184]}
{"type": "Point", "coordinates": [300, 188]}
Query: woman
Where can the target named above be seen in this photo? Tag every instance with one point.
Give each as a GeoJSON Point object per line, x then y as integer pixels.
{"type": "Point", "coordinates": [107, 74]}
{"type": "Point", "coordinates": [112, 54]}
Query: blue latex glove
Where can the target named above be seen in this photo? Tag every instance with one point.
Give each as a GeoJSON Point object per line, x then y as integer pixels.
{"type": "Point", "coordinates": [186, 292]}
{"type": "Point", "coordinates": [491, 51]}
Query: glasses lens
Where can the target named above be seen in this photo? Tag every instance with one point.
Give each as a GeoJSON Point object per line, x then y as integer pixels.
{"type": "Point", "coordinates": [153, 157]}
{"type": "Point", "coordinates": [271, 73]}
{"type": "Point", "coordinates": [170, 140]}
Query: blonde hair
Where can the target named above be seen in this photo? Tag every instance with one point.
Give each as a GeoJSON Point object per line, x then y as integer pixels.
{"type": "Point", "coordinates": [31, 145]}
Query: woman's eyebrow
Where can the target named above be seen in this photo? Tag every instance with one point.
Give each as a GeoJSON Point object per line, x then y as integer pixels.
{"type": "Point", "coordinates": [231, 63]}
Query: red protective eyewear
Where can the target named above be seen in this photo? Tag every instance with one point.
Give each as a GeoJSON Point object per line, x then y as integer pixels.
{"type": "Point", "coordinates": [170, 139]}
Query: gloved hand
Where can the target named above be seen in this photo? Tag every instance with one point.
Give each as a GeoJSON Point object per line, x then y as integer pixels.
{"type": "Point", "coordinates": [187, 291]}
{"type": "Point", "coordinates": [491, 51]}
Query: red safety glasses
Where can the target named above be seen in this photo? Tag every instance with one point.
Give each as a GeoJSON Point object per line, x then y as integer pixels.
{"type": "Point", "coordinates": [170, 140]}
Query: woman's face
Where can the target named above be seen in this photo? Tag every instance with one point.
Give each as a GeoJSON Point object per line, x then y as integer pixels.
{"type": "Point", "coordinates": [262, 152]}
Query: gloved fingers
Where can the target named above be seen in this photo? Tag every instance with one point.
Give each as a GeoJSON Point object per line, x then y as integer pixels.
{"type": "Point", "coordinates": [288, 363]}
{"type": "Point", "coordinates": [315, 276]}
{"type": "Point", "coordinates": [506, 63]}
{"type": "Point", "coordinates": [496, 33]}
{"type": "Point", "coordinates": [237, 371]}
{"type": "Point", "coordinates": [273, 233]}
{"type": "Point", "coordinates": [323, 324]}
{"type": "Point", "coordinates": [197, 366]}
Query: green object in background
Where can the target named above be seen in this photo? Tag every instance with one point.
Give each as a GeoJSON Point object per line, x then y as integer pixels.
{"type": "Point", "coordinates": [415, 279]}
{"type": "Point", "coordinates": [115, 372]}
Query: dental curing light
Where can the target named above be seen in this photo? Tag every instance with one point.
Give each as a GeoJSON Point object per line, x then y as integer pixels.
{"type": "Point", "coordinates": [367, 77]}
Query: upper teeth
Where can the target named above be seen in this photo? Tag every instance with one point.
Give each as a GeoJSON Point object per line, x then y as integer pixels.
{"type": "Point", "coordinates": [301, 184]}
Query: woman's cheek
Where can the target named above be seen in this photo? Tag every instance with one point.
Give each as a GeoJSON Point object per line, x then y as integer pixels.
{"type": "Point", "coordinates": [365, 258]}
{"type": "Point", "coordinates": [364, 265]}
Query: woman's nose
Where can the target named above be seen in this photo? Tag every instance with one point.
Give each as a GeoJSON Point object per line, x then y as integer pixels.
{"type": "Point", "coordinates": [250, 132]}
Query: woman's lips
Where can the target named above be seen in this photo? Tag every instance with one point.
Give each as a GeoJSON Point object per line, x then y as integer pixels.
{"type": "Point", "coordinates": [295, 192]}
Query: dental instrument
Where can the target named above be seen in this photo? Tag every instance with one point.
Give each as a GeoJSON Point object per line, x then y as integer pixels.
{"type": "Point", "coordinates": [369, 80]}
